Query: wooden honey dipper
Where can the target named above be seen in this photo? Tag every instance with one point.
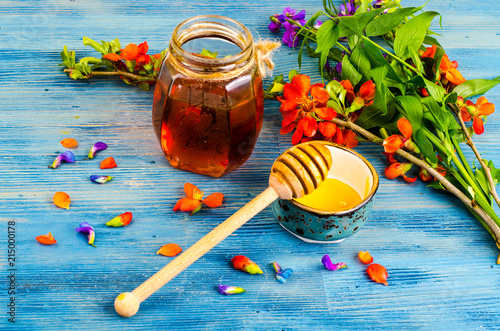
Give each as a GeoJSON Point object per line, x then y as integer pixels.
{"type": "Point", "coordinates": [296, 172]}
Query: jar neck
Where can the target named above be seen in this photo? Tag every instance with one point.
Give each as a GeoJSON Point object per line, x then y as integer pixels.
{"type": "Point", "coordinates": [211, 26]}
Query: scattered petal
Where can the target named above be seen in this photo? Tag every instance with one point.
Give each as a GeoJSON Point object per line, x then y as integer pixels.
{"type": "Point", "coordinates": [61, 200]}
{"type": "Point", "coordinates": [241, 262]}
{"type": "Point", "coordinates": [69, 143]}
{"type": "Point", "coordinates": [98, 146]}
{"type": "Point", "coordinates": [281, 275]}
{"type": "Point", "coordinates": [101, 179]}
{"type": "Point", "coordinates": [89, 230]}
{"type": "Point", "coordinates": [120, 220]}
{"type": "Point", "coordinates": [108, 163]}
{"type": "Point", "coordinates": [192, 191]}
{"type": "Point", "coordinates": [214, 200]}
{"type": "Point", "coordinates": [377, 273]}
{"type": "Point", "coordinates": [46, 239]}
{"type": "Point", "coordinates": [327, 262]}
{"type": "Point", "coordinates": [170, 250]}
{"type": "Point", "coordinates": [229, 290]}
{"type": "Point", "coordinates": [365, 257]}
{"type": "Point", "coordinates": [187, 204]}
{"type": "Point", "coordinates": [66, 157]}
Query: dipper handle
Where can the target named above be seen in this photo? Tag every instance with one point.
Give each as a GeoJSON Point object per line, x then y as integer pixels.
{"type": "Point", "coordinates": [127, 304]}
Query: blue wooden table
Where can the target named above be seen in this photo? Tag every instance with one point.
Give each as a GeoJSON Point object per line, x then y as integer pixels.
{"type": "Point", "coordinates": [441, 262]}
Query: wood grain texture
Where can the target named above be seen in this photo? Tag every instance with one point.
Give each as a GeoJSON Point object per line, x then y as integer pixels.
{"type": "Point", "coordinates": [441, 262]}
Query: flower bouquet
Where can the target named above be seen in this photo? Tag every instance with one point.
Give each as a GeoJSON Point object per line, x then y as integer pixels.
{"type": "Point", "coordinates": [392, 84]}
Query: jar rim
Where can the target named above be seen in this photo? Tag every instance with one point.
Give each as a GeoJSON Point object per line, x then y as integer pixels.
{"type": "Point", "coordinates": [244, 36]}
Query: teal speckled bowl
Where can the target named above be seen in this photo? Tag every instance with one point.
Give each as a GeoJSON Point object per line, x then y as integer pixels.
{"type": "Point", "coordinates": [319, 226]}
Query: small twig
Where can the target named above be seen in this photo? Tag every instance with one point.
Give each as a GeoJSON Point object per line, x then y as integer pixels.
{"type": "Point", "coordinates": [487, 170]}
{"type": "Point", "coordinates": [446, 184]}
{"type": "Point", "coordinates": [115, 73]}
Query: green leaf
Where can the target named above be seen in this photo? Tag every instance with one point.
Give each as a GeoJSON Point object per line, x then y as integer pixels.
{"type": "Point", "coordinates": [376, 59]}
{"type": "Point", "coordinates": [89, 59]}
{"type": "Point", "coordinates": [143, 86]}
{"type": "Point", "coordinates": [474, 87]}
{"type": "Point", "coordinates": [378, 74]}
{"type": "Point", "coordinates": [310, 22]}
{"type": "Point", "coordinates": [322, 62]}
{"type": "Point", "coordinates": [115, 45]}
{"type": "Point", "coordinates": [495, 173]}
{"type": "Point", "coordinates": [292, 74]}
{"type": "Point", "coordinates": [352, 41]}
{"type": "Point", "coordinates": [334, 88]}
{"type": "Point", "coordinates": [349, 72]}
{"type": "Point", "coordinates": [206, 52]}
{"type": "Point", "coordinates": [416, 60]}
{"type": "Point", "coordinates": [412, 108]}
{"type": "Point", "coordinates": [428, 40]}
{"type": "Point", "coordinates": [299, 57]}
{"type": "Point", "coordinates": [95, 45]}
{"type": "Point", "coordinates": [348, 25]}
{"type": "Point", "coordinates": [335, 54]}
{"type": "Point", "coordinates": [277, 87]}
{"type": "Point", "coordinates": [76, 74]}
{"type": "Point", "coordinates": [442, 119]}
{"type": "Point", "coordinates": [426, 147]}
{"type": "Point", "coordinates": [436, 91]}
{"type": "Point", "coordinates": [327, 36]}
{"type": "Point", "coordinates": [482, 180]}
{"type": "Point", "coordinates": [361, 62]}
{"type": "Point", "coordinates": [387, 22]}
{"type": "Point", "coordinates": [130, 65]}
{"type": "Point", "coordinates": [372, 116]}
{"type": "Point", "coordinates": [411, 35]}
{"type": "Point", "coordinates": [366, 17]}
{"type": "Point", "coordinates": [335, 105]}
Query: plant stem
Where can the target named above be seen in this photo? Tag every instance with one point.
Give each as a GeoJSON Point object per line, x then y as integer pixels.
{"type": "Point", "coordinates": [116, 73]}
{"type": "Point", "coordinates": [488, 220]}
{"type": "Point", "coordinates": [487, 170]}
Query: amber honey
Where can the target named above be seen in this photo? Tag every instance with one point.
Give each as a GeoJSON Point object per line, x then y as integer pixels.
{"type": "Point", "coordinates": [332, 195]}
{"type": "Point", "coordinates": [201, 133]}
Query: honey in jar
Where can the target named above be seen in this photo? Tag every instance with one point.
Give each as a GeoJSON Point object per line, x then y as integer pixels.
{"type": "Point", "coordinates": [207, 112]}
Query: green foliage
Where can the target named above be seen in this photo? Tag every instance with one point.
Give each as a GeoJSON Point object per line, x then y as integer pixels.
{"type": "Point", "coordinates": [475, 87]}
{"type": "Point", "coordinates": [412, 34]}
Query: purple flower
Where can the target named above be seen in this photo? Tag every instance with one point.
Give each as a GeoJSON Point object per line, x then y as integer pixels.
{"type": "Point", "coordinates": [98, 146]}
{"type": "Point", "coordinates": [327, 262]}
{"type": "Point", "coordinates": [101, 179]}
{"type": "Point", "coordinates": [275, 25]}
{"type": "Point", "coordinates": [290, 36]}
{"type": "Point", "coordinates": [66, 157]}
{"type": "Point", "coordinates": [291, 14]}
{"type": "Point", "coordinates": [88, 229]}
{"type": "Point", "coordinates": [282, 275]}
{"type": "Point", "coordinates": [378, 4]}
{"type": "Point", "coordinates": [348, 9]}
{"type": "Point", "coordinates": [317, 24]}
{"type": "Point", "coordinates": [229, 290]}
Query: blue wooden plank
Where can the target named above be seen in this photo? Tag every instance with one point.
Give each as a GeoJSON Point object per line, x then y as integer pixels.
{"type": "Point", "coordinates": [441, 263]}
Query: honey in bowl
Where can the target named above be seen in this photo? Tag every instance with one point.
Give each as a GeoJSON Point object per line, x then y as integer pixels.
{"type": "Point", "coordinates": [332, 195]}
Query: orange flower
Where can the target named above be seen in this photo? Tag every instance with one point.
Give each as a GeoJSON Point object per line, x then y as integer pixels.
{"type": "Point", "coordinates": [392, 143]}
{"type": "Point", "coordinates": [399, 169]}
{"type": "Point", "coordinates": [347, 85]}
{"type": "Point", "coordinates": [367, 92]}
{"type": "Point", "coordinates": [430, 52]}
{"type": "Point", "coordinates": [112, 57]}
{"type": "Point", "coordinates": [69, 143]}
{"type": "Point", "coordinates": [476, 112]}
{"type": "Point", "coordinates": [46, 239]}
{"type": "Point", "coordinates": [194, 199]}
{"type": "Point", "coordinates": [130, 52]}
{"type": "Point", "coordinates": [365, 257]}
{"type": "Point", "coordinates": [61, 200]}
{"type": "Point", "coordinates": [108, 163]}
{"type": "Point", "coordinates": [327, 129]}
{"type": "Point", "coordinates": [449, 69]}
{"type": "Point", "coordinates": [170, 250]}
{"type": "Point", "coordinates": [299, 104]}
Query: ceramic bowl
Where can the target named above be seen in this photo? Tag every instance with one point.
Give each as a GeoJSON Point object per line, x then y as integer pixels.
{"type": "Point", "coordinates": [319, 226]}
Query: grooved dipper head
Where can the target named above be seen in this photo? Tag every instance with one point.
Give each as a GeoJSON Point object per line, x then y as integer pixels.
{"type": "Point", "coordinates": [300, 170]}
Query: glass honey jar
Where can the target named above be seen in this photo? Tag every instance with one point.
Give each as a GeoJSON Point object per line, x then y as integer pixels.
{"type": "Point", "coordinates": [208, 110]}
